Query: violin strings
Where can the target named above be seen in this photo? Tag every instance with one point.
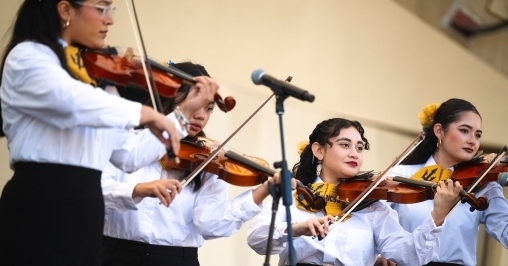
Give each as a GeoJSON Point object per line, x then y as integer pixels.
{"type": "Point", "coordinates": [346, 211]}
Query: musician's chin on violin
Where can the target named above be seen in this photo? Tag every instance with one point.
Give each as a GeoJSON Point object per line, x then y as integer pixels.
{"type": "Point", "coordinates": [192, 188]}
{"type": "Point", "coordinates": [450, 151]}
{"type": "Point", "coordinates": [339, 228]}
{"type": "Point", "coordinates": [103, 180]}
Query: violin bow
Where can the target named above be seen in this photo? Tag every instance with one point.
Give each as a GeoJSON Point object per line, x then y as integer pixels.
{"type": "Point", "coordinates": [150, 82]}
{"type": "Point", "coordinates": [475, 183]}
{"type": "Point", "coordinates": [382, 176]}
{"type": "Point", "coordinates": [184, 182]}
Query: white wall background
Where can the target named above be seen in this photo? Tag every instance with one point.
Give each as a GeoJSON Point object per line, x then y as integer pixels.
{"type": "Point", "coordinates": [369, 60]}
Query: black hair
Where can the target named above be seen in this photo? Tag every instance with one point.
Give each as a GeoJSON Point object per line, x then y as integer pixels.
{"type": "Point", "coordinates": [305, 169]}
{"type": "Point", "coordinates": [37, 21]}
{"type": "Point", "coordinates": [168, 104]}
{"type": "Point", "coordinates": [448, 112]}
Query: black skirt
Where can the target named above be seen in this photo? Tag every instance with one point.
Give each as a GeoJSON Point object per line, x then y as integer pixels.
{"type": "Point", "coordinates": [51, 214]}
{"type": "Point", "coordinates": [122, 252]}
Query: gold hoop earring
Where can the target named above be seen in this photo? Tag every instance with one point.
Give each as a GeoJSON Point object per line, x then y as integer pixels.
{"type": "Point", "coordinates": [67, 24]}
{"type": "Point", "coordinates": [439, 143]}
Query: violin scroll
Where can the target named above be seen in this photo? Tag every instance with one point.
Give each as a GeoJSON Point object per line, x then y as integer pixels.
{"type": "Point", "coordinates": [227, 104]}
{"type": "Point", "coordinates": [314, 201]}
{"type": "Point", "coordinates": [480, 204]}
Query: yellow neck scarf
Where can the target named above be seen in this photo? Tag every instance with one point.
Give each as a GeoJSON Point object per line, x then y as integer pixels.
{"type": "Point", "coordinates": [76, 66]}
{"type": "Point", "coordinates": [433, 173]}
{"type": "Point", "coordinates": [329, 192]}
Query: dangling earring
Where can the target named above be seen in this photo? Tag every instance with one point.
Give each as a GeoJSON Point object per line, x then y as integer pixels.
{"type": "Point", "coordinates": [318, 168]}
{"type": "Point", "coordinates": [439, 143]}
{"type": "Point", "coordinates": [66, 24]}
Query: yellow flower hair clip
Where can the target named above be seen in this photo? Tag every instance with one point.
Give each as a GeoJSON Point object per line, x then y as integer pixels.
{"type": "Point", "coordinates": [427, 115]}
{"type": "Point", "coordinates": [301, 146]}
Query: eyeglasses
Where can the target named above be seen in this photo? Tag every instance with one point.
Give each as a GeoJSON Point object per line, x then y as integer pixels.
{"type": "Point", "coordinates": [106, 10]}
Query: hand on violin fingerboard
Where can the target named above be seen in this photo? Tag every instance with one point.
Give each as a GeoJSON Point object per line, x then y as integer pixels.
{"type": "Point", "coordinates": [276, 179]}
{"type": "Point", "coordinates": [446, 197]}
{"type": "Point", "coordinates": [201, 95]}
{"type": "Point", "coordinates": [261, 192]}
{"type": "Point", "coordinates": [487, 158]}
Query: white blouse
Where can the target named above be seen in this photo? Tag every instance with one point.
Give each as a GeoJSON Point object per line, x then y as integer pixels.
{"type": "Point", "coordinates": [50, 117]}
{"type": "Point", "coordinates": [357, 241]}
{"type": "Point", "coordinates": [191, 218]}
{"type": "Point", "coordinates": [460, 233]}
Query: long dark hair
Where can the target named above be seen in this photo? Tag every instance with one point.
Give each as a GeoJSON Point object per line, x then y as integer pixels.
{"type": "Point", "coordinates": [305, 169]}
{"type": "Point", "coordinates": [448, 112]}
{"type": "Point", "coordinates": [37, 21]}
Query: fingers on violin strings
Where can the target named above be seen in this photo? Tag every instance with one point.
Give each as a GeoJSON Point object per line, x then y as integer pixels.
{"type": "Point", "coordinates": [440, 186]}
{"type": "Point", "coordinates": [457, 187]}
{"type": "Point", "coordinates": [173, 140]}
{"type": "Point", "coordinates": [162, 137]}
{"type": "Point", "coordinates": [452, 185]}
{"type": "Point", "coordinates": [207, 86]}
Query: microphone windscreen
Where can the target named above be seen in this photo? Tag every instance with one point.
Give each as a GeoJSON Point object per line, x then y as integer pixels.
{"type": "Point", "coordinates": [257, 76]}
{"type": "Point", "coordinates": [502, 179]}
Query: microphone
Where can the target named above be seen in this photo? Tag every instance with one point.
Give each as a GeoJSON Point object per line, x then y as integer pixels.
{"type": "Point", "coordinates": [502, 179]}
{"type": "Point", "coordinates": [260, 77]}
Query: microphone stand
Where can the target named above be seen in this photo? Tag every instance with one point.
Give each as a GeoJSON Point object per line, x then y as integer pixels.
{"type": "Point", "coordinates": [284, 188]}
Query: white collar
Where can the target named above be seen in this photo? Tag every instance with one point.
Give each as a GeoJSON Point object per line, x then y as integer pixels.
{"type": "Point", "coordinates": [431, 161]}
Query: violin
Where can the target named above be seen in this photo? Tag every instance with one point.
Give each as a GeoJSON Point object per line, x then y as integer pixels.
{"type": "Point", "coordinates": [194, 152]}
{"type": "Point", "coordinates": [404, 191]}
{"type": "Point", "coordinates": [468, 174]}
{"type": "Point", "coordinates": [317, 202]}
{"type": "Point", "coordinates": [387, 190]}
{"type": "Point", "coordinates": [107, 66]}
{"type": "Point", "coordinates": [208, 156]}
{"type": "Point", "coordinates": [314, 201]}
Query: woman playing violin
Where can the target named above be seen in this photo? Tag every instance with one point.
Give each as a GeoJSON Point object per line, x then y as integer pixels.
{"type": "Point", "coordinates": [335, 152]}
{"type": "Point", "coordinates": [141, 231]}
{"type": "Point", "coordinates": [453, 137]}
{"type": "Point", "coordinates": [62, 132]}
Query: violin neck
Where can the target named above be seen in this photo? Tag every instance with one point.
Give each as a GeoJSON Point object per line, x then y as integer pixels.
{"type": "Point", "coordinates": [172, 70]}
{"type": "Point", "coordinates": [247, 162]}
{"type": "Point", "coordinates": [420, 183]}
